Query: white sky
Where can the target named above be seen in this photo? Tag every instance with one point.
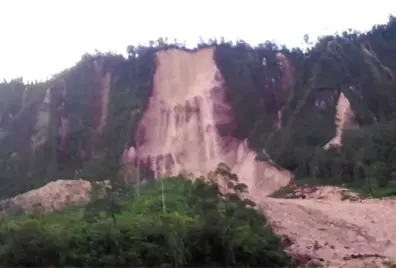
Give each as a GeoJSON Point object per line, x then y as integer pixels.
{"type": "Point", "coordinates": [42, 37]}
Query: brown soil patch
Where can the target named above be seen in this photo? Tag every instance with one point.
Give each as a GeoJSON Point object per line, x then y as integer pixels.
{"type": "Point", "coordinates": [333, 232]}
{"type": "Point", "coordinates": [52, 196]}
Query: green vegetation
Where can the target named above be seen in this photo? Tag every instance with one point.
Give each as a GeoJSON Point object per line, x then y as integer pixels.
{"type": "Point", "coordinates": [361, 66]}
{"type": "Point", "coordinates": [200, 227]}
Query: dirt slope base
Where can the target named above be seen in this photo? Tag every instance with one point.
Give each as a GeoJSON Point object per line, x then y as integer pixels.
{"type": "Point", "coordinates": [335, 233]}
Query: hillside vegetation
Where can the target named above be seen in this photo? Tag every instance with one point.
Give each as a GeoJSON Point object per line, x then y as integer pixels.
{"type": "Point", "coordinates": [171, 222]}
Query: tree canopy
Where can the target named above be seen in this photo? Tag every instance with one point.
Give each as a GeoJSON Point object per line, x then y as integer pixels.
{"type": "Point", "coordinates": [201, 226]}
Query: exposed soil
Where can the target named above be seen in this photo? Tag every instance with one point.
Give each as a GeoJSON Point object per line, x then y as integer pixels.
{"type": "Point", "coordinates": [55, 195]}
{"type": "Point", "coordinates": [327, 228]}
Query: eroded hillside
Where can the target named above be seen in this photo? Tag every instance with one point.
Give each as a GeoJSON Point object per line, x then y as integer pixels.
{"type": "Point", "coordinates": [165, 109]}
{"type": "Point", "coordinates": [179, 130]}
{"type": "Point", "coordinates": [227, 101]}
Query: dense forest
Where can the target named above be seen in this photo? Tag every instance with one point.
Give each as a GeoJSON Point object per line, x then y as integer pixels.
{"type": "Point", "coordinates": [194, 225]}
{"type": "Point", "coordinates": [359, 65]}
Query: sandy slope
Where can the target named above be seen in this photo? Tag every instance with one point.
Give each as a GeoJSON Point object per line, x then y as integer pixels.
{"type": "Point", "coordinates": [55, 195]}
{"type": "Point", "coordinates": [336, 231]}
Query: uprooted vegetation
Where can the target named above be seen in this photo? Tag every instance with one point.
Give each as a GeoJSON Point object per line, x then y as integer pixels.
{"type": "Point", "coordinates": [307, 191]}
{"type": "Point", "coordinates": [172, 222]}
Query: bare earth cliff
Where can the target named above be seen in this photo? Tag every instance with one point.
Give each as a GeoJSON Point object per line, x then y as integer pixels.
{"type": "Point", "coordinates": [178, 132]}
{"type": "Point", "coordinates": [343, 118]}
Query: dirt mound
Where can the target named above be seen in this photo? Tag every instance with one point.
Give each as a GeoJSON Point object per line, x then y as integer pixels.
{"type": "Point", "coordinates": [52, 196]}
{"type": "Point", "coordinates": [336, 233]}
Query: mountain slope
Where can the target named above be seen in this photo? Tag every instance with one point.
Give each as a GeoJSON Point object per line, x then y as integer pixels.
{"type": "Point", "coordinates": [279, 103]}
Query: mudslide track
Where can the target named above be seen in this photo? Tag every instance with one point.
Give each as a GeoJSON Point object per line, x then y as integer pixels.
{"type": "Point", "coordinates": [339, 233]}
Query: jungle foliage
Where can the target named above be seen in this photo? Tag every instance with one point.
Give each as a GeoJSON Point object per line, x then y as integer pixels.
{"type": "Point", "coordinates": [200, 227]}
{"type": "Point", "coordinates": [358, 66]}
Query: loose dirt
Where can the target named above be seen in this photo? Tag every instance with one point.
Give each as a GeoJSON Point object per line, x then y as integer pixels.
{"type": "Point", "coordinates": [325, 229]}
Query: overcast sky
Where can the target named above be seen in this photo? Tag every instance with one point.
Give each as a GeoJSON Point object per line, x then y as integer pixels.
{"type": "Point", "coordinates": [42, 37]}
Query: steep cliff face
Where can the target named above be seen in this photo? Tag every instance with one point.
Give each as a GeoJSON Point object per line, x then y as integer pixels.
{"type": "Point", "coordinates": [179, 130]}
